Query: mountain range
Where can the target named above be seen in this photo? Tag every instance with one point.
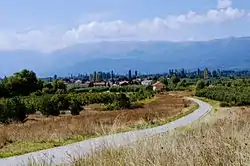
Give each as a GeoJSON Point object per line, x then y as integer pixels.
{"type": "Point", "coordinates": [120, 56]}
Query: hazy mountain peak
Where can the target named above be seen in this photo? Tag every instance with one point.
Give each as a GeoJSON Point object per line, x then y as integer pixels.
{"type": "Point", "coordinates": [150, 56]}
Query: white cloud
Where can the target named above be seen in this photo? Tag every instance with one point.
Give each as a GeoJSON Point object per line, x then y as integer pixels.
{"type": "Point", "coordinates": [222, 4]}
{"type": "Point", "coordinates": [35, 39]}
{"type": "Point", "coordinates": [179, 27]}
{"type": "Point", "coordinates": [158, 28]}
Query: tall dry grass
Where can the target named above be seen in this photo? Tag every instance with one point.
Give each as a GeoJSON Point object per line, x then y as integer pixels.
{"type": "Point", "coordinates": [52, 131]}
{"type": "Point", "coordinates": [219, 139]}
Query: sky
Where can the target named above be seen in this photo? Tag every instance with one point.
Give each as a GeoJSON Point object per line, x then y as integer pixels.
{"type": "Point", "coordinates": [48, 25]}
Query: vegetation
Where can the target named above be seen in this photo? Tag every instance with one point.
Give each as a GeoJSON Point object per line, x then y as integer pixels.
{"type": "Point", "coordinates": [23, 94]}
{"type": "Point", "coordinates": [128, 88]}
{"type": "Point", "coordinates": [200, 85]}
{"type": "Point", "coordinates": [40, 132]}
{"type": "Point", "coordinates": [52, 98]}
{"type": "Point", "coordinates": [230, 92]}
{"type": "Point", "coordinates": [219, 140]}
{"type": "Point", "coordinates": [12, 109]}
{"type": "Point", "coordinates": [121, 102]}
{"type": "Point", "coordinates": [75, 107]}
{"type": "Point", "coordinates": [48, 107]}
{"type": "Point", "coordinates": [233, 96]}
{"type": "Point", "coordinates": [52, 104]}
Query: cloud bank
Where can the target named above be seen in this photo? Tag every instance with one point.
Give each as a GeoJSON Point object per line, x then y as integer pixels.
{"type": "Point", "coordinates": [187, 26]}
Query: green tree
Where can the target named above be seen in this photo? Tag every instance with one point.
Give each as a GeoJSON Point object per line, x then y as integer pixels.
{"type": "Point", "coordinates": [200, 85]}
{"type": "Point", "coordinates": [48, 88]}
{"type": "Point", "coordinates": [3, 90]}
{"type": "Point", "coordinates": [123, 101]}
{"type": "Point", "coordinates": [49, 107]}
{"type": "Point", "coordinates": [164, 80]}
{"type": "Point", "coordinates": [182, 83]}
{"type": "Point", "coordinates": [175, 79]}
{"type": "Point", "coordinates": [75, 107]}
{"type": "Point", "coordinates": [12, 109]}
{"type": "Point", "coordinates": [61, 101]}
{"type": "Point", "coordinates": [59, 86]}
{"type": "Point", "coordinates": [23, 83]}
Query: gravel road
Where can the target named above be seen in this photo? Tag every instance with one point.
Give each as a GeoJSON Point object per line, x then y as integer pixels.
{"type": "Point", "coordinates": [64, 154]}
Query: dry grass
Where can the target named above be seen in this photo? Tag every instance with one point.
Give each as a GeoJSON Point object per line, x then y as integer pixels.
{"type": "Point", "coordinates": [222, 138]}
{"type": "Point", "coordinates": [41, 133]}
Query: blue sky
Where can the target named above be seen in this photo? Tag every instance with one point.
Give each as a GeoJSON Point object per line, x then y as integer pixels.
{"type": "Point", "coordinates": [47, 25]}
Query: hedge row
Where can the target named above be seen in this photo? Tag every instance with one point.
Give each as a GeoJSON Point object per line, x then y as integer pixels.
{"type": "Point", "coordinates": [129, 88]}
{"type": "Point", "coordinates": [230, 96]}
{"type": "Point", "coordinates": [17, 108]}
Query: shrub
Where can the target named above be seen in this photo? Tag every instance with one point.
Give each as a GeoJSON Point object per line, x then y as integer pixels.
{"type": "Point", "coordinates": [46, 90]}
{"type": "Point", "coordinates": [164, 80]}
{"type": "Point", "coordinates": [234, 96]}
{"type": "Point", "coordinates": [30, 105]}
{"type": "Point", "coordinates": [75, 107]}
{"type": "Point", "coordinates": [123, 101]}
{"type": "Point", "coordinates": [61, 101]}
{"type": "Point", "coordinates": [12, 109]}
{"type": "Point", "coordinates": [200, 85]}
{"type": "Point", "coordinates": [48, 107]}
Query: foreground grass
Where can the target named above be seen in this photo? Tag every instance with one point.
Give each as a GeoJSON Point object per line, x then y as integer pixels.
{"type": "Point", "coordinates": [19, 148]}
{"type": "Point", "coordinates": [220, 139]}
{"type": "Point", "coordinates": [19, 139]}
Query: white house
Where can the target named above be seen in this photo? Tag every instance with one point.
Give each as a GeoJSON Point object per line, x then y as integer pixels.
{"type": "Point", "coordinates": [78, 82]}
{"type": "Point", "coordinates": [147, 82]}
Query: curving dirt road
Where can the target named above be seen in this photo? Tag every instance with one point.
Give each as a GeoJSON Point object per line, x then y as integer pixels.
{"type": "Point", "coordinates": [65, 154]}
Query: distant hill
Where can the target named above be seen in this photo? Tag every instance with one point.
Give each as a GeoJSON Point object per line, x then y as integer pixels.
{"type": "Point", "coordinates": [152, 56]}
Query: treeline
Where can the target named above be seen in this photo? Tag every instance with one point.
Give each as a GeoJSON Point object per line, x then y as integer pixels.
{"type": "Point", "coordinates": [17, 108]}
{"type": "Point", "coordinates": [128, 88]}
{"type": "Point", "coordinates": [175, 83]}
{"type": "Point", "coordinates": [25, 82]}
{"type": "Point", "coordinates": [228, 95]}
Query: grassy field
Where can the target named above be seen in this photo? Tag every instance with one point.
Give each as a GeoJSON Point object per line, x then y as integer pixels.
{"type": "Point", "coordinates": [222, 138]}
{"type": "Point", "coordinates": [41, 133]}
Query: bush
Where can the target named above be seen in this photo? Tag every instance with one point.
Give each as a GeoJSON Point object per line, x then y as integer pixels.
{"type": "Point", "coordinates": [75, 107]}
{"type": "Point", "coordinates": [46, 90]}
{"type": "Point", "coordinates": [233, 96]}
{"type": "Point", "coordinates": [12, 109]}
{"type": "Point", "coordinates": [61, 101]}
{"type": "Point", "coordinates": [49, 107]}
{"type": "Point", "coordinates": [123, 101]}
{"type": "Point", "coordinates": [30, 105]}
{"type": "Point", "coordinates": [200, 85]}
{"type": "Point", "coordinates": [49, 104]}
{"type": "Point", "coordinates": [4, 117]}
